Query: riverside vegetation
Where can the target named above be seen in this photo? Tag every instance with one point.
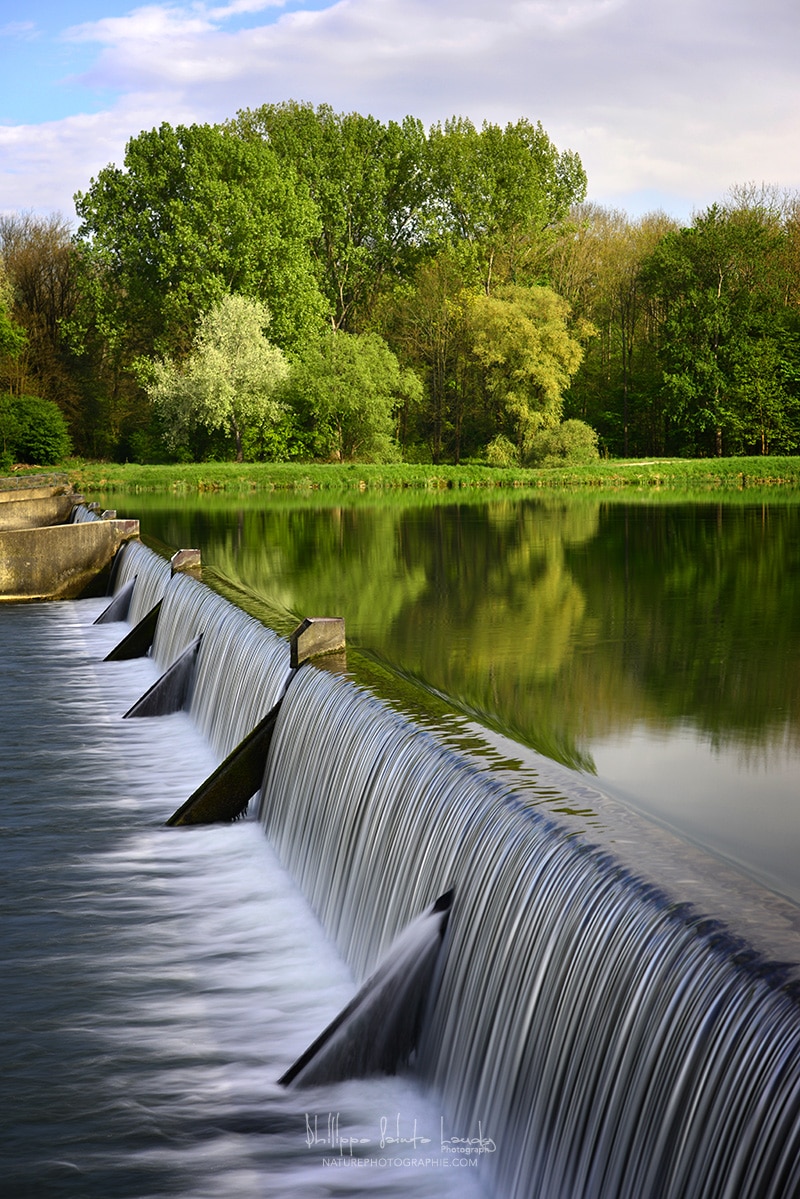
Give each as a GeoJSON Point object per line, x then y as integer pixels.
{"type": "Point", "coordinates": [745, 478]}
{"type": "Point", "coordinates": [299, 285]}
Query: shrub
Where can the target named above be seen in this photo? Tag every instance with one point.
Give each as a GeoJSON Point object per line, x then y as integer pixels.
{"type": "Point", "coordinates": [33, 430]}
{"type": "Point", "coordinates": [502, 452]}
{"type": "Point", "coordinates": [571, 443]}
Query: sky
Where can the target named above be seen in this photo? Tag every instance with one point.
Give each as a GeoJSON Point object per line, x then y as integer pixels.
{"type": "Point", "coordinates": [669, 103]}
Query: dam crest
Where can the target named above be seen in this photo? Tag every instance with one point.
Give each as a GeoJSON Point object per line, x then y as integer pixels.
{"type": "Point", "coordinates": [617, 1042]}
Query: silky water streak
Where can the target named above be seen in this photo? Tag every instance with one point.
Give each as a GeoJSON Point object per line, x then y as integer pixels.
{"type": "Point", "coordinates": [161, 981]}
{"type": "Point", "coordinates": [612, 1043]}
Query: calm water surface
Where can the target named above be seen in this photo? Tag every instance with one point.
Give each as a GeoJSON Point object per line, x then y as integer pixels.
{"type": "Point", "coordinates": [653, 647]}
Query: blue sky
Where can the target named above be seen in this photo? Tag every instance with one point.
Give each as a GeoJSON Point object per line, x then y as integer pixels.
{"type": "Point", "coordinates": [668, 102]}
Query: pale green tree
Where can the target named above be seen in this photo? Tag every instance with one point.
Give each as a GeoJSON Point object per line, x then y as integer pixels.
{"type": "Point", "coordinates": [525, 349]}
{"type": "Point", "coordinates": [229, 380]}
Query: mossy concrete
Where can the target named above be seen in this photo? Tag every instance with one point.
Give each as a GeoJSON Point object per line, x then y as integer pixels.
{"type": "Point", "coordinates": [314, 636]}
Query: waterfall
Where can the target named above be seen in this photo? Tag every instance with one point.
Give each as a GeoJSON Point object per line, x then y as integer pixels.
{"type": "Point", "coordinates": [242, 666]}
{"type": "Point", "coordinates": [152, 575]}
{"type": "Point", "coordinates": [82, 513]}
{"type": "Point", "coordinates": [607, 1042]}
{"type": "Point", "coordinates": [590, 1036]}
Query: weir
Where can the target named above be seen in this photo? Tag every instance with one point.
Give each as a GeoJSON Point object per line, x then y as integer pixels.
{"type": "Point", "coordinates": [591, 1034]}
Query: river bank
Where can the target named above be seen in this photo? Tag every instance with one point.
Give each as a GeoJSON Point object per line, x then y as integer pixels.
{"type": "Point", "coordinates": [651, 476]}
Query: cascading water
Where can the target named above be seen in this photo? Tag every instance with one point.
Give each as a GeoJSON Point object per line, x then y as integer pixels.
{"type": "Point", "coordinates": [608, 1042]}
{"type": "Point", "coordinates": [152, 575]}
{"type": "Point", "coordinates": [82, 513]}
{"type": "Point", "coordinates": [242, 667]}
{"type": "Point", "coordinates": [158, 983]}
{"type": "Point", "coordinates": [589, 1038]}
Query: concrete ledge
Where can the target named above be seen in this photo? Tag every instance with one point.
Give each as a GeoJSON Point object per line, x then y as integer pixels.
{"type": "Point", "coordinates": [186, 562]}
{"type": "Point", "coordinates": [62, 561]}
{"type": "Point", "coordinates": [21, 510]}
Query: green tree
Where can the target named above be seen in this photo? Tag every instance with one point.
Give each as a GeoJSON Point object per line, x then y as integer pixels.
{"type": "Point", "coordinates": [424, 322]}
{"type": "Point", "coordinates": [195, 213]}
{"type": "Point", "coordinates": [491, 365]}
{"type": "Point", "coordinates": [500, 193]}
{"type": "Point", "coordinates": [228, 382]}
{"type": "Point", "coordinates": [524, 352]}
{"type": "Point", "coordinates": [369, 184]}
{"type": "Point", "coordinates": [12, 337]}
{"type": "Point", "coordinates": [719, 284]}
{"type": "Point", "coordinates": [595, 264]}
{"type": "Point", "coordinates": [346, 391]}
{"type": "Point", "coordinates": [43, 266]}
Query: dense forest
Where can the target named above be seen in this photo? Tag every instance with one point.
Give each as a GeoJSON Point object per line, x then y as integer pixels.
{"type": "Point", "coordinates": [299, 283]}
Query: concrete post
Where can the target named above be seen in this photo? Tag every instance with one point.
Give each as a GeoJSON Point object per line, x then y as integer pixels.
{"type": "Point", "coordinates": [316, 635]}
{"type": "Point", "coordinates": [185, 562]}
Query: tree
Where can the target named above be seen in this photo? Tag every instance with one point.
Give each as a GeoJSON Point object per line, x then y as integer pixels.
{"type": "Point", "coordinates": [525, 352]}
{"type": "Point", "coordinates": [595, 264]}
{"type": "Point", "coordinates": [195, 213]}
{"type": "Point", "coordinates": [499, 194]}
{"type": "Point", "coordinates": [424, 322]}
{"type": "Point", "coordinates": [43, 266]}
{"type": "Point", "coordinates": [229, 380]}
{"type": "Point", "coordinates": [719, 284]}
{"type": "Point", "coordinates": [491, 364]}
{"type": "Point", "coordinates": [346, 390]}
{"type": "Point", "coordinates": [369, 184]}
{"type": "Point", "coordinates": [12, 337]}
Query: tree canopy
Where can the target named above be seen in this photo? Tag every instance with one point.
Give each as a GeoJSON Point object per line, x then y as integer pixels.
{"type": "Point", "coordinates": [369, 186]}
{"type": "Point", "coordinates": [228, 381]}
{"type": "Point", "coordinates": [466, 252]}
{"type": "Point", "coordinates": [717, 282]}
{"type": "Point", "coordinates": [346, 391]}
{"type": "Point", "coordinates": [195, 213]}
{"type": "Point", "coordinates": [499, 193]}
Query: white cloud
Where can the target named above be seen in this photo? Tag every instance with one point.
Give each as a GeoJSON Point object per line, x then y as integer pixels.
{"type": "Point", "coordinates": [42, 166]}
{"type": "Point", "coordinates": [137, 30]}
{"type": "Point", "coordinates": [680, 99]}
{"type": "Point", "coordinates": [18, 29]}
{"type": "Point", "coordinates": [237, 7]}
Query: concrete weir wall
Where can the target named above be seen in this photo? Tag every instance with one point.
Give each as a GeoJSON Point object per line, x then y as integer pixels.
{"type": "Point", "coordinates": [43, 555]}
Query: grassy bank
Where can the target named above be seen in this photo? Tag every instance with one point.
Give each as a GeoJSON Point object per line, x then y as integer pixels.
{"type": "Point", "coordinates": [651, 475]}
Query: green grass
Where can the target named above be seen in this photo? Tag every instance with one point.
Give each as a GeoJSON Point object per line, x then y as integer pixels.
{"type": "Point", "coordinates": [651, 476]}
